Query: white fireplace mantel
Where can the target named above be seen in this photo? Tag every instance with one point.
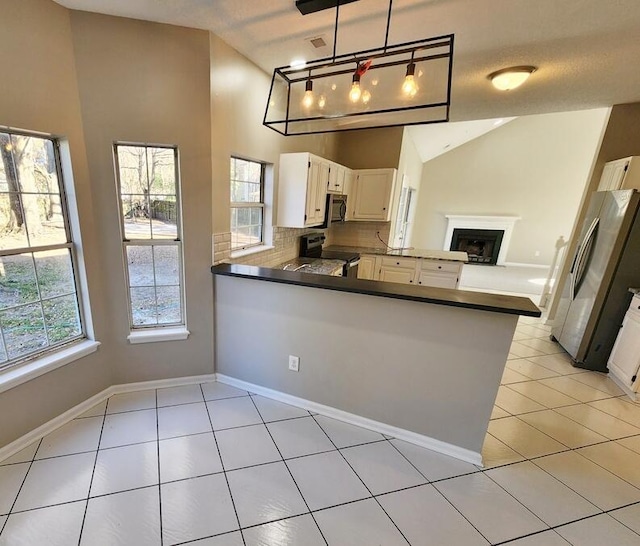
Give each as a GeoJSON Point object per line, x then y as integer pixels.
{"type": "Point", "coordinates": [505, 223]}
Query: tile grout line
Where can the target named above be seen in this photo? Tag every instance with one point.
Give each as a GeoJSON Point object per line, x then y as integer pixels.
{"type": "Point", "coordinates": [224, 472]}
{"type": "Point", "coordinates": [432, 482]}
{"type": "Point", "coordinates": [93, 471]}
{"type": "Point", "coordinates": [364, 484]}
{"type": "Point", "coordinates": [289, 470]}
{"type": "Point", "coordinates": [158, 462]}
{"type": "Point", "coordinates": [33, 458]}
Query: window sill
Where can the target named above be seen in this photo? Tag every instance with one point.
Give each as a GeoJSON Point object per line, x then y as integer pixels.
{"type": "Point", "coordinates": [158, 334]}
{"type": "Point", "coordinates": [22, 373]}
{"type": "Point", "coordinates": [251, 250]}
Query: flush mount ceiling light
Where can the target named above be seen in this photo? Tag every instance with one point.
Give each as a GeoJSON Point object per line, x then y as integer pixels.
{"type": "Point", "coordinates": [403, 84]}
{"type": "Point", "coordinates": [510, 78]}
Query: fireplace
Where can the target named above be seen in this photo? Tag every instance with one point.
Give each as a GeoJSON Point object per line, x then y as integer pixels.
{"type": "Point", "coordinates": [482, 245]}
{"type": "Point", "coordinates": [482, 224]}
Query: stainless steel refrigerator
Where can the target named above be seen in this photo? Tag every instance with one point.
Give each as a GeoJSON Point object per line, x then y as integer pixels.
{"type": "Point", "coordinates": [596, 294]}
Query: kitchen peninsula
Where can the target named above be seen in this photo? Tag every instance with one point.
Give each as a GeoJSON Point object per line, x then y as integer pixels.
{"type": "Point", "coordinates": [418, 363]}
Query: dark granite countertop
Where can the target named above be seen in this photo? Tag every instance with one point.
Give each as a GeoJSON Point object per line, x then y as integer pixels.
{"type": "Point", "coordinates": [495, 303]}
{"type": "Point", "coordinates": [319, 266]}
{"type": "Point", "coordinates": [406, 253]}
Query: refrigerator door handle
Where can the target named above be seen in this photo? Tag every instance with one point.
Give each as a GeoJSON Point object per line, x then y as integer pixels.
{"type": "Point", "coordinates": [578, 269]}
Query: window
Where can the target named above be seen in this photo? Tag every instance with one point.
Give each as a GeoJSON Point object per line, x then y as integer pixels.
{"type": "Point", "coordinates": [247, 203]}
{"type": "Point", "coordinates": [152, 243]}
{"type": "Point", "coordinates": [39, 303]}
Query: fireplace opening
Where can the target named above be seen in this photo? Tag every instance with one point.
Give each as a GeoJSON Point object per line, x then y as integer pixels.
{"type": "Point", "coordinates": [482, 245]}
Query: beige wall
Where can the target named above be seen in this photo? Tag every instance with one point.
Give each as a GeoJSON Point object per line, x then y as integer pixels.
{"type": "Point", "coordinates": [239, 91]}
{"type": "Point", "coordinates": [39, 93]}
{"type": "Point", "coordinates": [370, 148]}
{"type": "Point", "coordinates": [535, 167]}
{"type": "Point", "coordinates": [148, 82]}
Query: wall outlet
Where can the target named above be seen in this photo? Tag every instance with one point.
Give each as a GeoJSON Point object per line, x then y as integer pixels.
{"type": "Point", "coordinates": [294, 363]}
{"type": "Point", "coordinates": [537, 253]}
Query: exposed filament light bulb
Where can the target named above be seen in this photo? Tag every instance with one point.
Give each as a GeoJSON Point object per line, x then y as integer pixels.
{"type": "Point", "coordinates": [409, 86]}
{"type": "Point", "coordinates": [355, 93]}
{"type": "Point", "coordinates": [307, 100]}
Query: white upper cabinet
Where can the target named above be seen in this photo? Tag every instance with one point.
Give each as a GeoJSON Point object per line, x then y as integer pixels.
{"type": "Point", "coordinates": [621, 174]}
{"type": "Point", "coordinates": [338, 177]}
{"type": "Point", "coordinates": [302, 190]}
{"type": "Point", "coordinates": [370, 195]}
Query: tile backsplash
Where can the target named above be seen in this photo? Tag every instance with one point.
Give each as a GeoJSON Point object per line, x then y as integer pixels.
{"type": "Point", "coordinates": [358, 234]}
{"type": "Point", "coordinates": [286, 242]}
{"type": "Point", "coordinates": [286, 246]}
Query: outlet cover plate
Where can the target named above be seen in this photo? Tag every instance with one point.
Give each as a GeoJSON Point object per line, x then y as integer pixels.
{"type": "Point", "coordinates": [294, 363]}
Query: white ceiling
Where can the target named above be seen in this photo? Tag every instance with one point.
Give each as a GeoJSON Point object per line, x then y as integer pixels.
{"type": "Point", "coordinates": [437, 139]}
{"type": "Point", "coordinates": [586, 50]}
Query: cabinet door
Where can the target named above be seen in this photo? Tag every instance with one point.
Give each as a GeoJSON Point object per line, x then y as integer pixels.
{"type": "Point", "coordinates": [438, 280]}
{"type": "Point", "coordinates": [372, 196]}
{"type": "Point", "coordinates": [313, 181]}
{"type": "Point", "coordinates": [625, 357]}
{"type": "Point", "coordinates": [613, 175]}
{"type": "Point", "coordinates": [397, 274]}
{"type": "Point", "coordinates": [366, 267]}
{"type": "Point", "coordinates": [316, 203]}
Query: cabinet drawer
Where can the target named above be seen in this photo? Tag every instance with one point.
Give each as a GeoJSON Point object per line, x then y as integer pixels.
{"type": "Point", "coordinates": [407, 263]}
{"type": "Point", "coordinates": [446, 267]}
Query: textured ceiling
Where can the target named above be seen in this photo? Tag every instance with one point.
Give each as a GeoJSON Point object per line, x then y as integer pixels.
{"type": "Point", "coordinates": [586, 50]}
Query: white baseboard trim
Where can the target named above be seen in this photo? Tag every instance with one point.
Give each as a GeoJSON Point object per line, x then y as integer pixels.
{"type": "Point", "coordinates": [519, 264]}
{"type": "Point", "coordinates": [162, 383]}
{"type": "Point", "coordinates": [627, 390]}
{"type": "Point", "coordinates": [328, 411]}
{"type": "Point", "coordinates": [47, 428]}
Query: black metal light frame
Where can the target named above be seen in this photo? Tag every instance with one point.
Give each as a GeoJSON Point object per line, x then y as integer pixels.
{"type": "Point", "coordinates": [292, 121]}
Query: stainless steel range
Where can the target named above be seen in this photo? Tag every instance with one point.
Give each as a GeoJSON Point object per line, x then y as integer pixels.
{"type": "Point", "coordinates": [311, 247]}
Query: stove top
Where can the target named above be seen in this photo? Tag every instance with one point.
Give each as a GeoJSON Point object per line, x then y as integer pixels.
{"type": "Point", "coordinates": [340, 255]}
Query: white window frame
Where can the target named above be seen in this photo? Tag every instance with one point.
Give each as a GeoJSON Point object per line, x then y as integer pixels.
{"type": "Point", "coordinates": [248, 249]}
{"type": "Point", "coordinates": [19, 370]}
{"type": "Point", "coordinates": [154, 332]}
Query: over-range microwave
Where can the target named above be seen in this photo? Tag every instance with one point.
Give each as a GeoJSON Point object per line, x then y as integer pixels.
{"type": "Point", "coordinates": [336, 210]}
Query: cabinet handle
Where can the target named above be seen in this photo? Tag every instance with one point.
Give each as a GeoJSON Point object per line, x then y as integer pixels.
{"type": "Point", "coordinates": [317, 210]}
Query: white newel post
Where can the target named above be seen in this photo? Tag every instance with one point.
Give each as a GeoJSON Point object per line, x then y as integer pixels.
{"type": "Point", "coordinates": [505, 223]}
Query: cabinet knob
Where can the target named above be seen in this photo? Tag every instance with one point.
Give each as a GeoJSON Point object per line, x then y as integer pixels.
{"type": "Point", "coordinates": [384, 208]}
{"type": "Point", "coordinates": [397, 263]}
{"type": "Point", "coordinates": [419, 282]}
{"type": "Point", "coordinates": [411, 281]}
{"type": "Point", "coordinates": [439, 267]}
{"type": "Point", "coordinates": [317, 210]}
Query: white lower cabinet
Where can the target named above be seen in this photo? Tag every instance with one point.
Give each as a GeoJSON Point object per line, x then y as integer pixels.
{"type": "Point", "coordinates": [624, 361]}
{"type": "Point", "coordinates": [367, 267]}
{"type": "Point", "coordinates": [418, 271]}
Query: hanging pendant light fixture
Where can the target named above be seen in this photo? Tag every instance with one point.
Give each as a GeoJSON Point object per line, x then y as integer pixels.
{"type": "Point", "coordinates": [307, 100]}
{"type": "Point", "coordinates": [403, 84]}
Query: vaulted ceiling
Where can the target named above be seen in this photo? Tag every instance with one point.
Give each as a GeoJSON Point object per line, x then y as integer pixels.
{"type": "Point", "coordinates": [586, 51]}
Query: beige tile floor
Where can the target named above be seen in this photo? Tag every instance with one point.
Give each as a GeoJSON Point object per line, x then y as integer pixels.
{"type": "Point", "coordinates": [211, 465]}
